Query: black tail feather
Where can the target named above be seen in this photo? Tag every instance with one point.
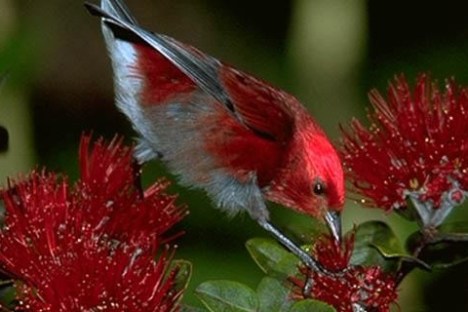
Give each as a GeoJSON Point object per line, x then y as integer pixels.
{"type": "Point", "coordinates": [200, 68]}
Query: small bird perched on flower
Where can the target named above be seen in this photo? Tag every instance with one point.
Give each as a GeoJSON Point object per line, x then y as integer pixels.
{"type": "Point", "coordinates": [219, 129]}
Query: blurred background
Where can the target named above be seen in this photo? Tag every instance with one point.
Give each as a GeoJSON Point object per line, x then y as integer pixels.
{"type": "Point", "coordinates": [329, 53]}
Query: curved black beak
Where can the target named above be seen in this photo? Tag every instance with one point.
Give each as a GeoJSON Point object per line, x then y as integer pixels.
{"type": "Point", "coordinates": [333, 219]}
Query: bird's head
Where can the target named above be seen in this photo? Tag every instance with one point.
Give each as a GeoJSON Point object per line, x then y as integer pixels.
{"type": "Point", "coordinates": [312, 180]}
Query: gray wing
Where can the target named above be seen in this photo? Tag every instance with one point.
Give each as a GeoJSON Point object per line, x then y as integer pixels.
{"type": "Point", "coordinates": [177, 129]}
{"type": "Point", "coordinates": [201, 68]}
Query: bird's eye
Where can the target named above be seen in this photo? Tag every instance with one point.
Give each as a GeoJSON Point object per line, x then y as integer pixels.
{"type": "Point", "coordinates": [319, 188]}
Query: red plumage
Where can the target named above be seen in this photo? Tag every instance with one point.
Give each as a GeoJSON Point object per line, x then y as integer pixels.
{"type": "Point", "coordinates": [240, 139]}
{"type": "Point", "coordinates": [163, 81]}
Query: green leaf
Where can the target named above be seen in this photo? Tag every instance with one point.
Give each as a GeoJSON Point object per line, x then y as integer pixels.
{"type": "Point", "coordinates": [227, 296]}
{"type": "Point", "coordinates": [309, 305]}
{"type": "Point", "coordinates": [7, 293]}
{"type": "Point", "coordinates": [186, 308]}
{"type": "Point", "coordinates": [183, 275]}
{"type": "Point", "coordinates": [445, 248]}
{"type": "Point", "coordinates": [413, 261]}
{"type": "Point", "coordinates": [307, 233]}
{"type": "Point", "coordinates": [460, 228]}
{"type": "Point", "coordinates": [408, 212]}
{"type": "Point", "coordinates": [377, 244]}
{"type": "Point", "coordinates": [272, 258]}
{"type": "Point", "coordinates": [273, 296]}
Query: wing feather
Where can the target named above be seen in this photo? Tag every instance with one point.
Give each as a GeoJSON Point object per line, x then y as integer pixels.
{"type": "Point", "coordinates": [216, 127]}
{"type": "Point", "coordinates": [266, 110]}
{"type": "Point", "coordinates": [260, 107]}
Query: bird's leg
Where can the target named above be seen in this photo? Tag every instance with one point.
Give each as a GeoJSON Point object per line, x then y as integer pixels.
{"type": "Point", "coordinates": [257, 210]}
{"type": "Point", "coordinates": [306, 258]}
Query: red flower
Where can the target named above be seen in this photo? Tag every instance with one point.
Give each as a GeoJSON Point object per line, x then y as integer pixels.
{"type": "Point", "coordinates": [417, 146]}
{"type": "Point", "coordinates": [109, 196]}
{"type": "Point", "coordinates": [368, 287]}
{"type": "Point", "coordinates": [69, 249]}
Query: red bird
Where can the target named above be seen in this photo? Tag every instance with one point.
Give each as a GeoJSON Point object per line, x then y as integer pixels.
{"type": "Point", "coordinates": [220, 129]}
